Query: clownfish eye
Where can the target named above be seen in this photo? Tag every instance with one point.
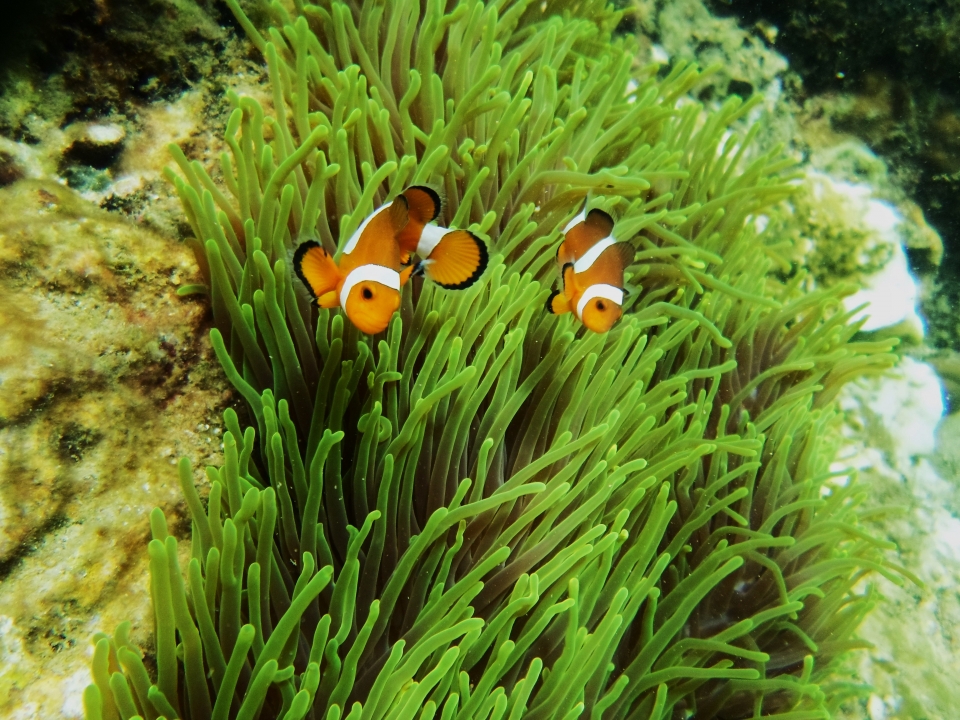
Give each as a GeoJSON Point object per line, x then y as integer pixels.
{"type": "Point", "coordinates": [366, 293]}
{"type": "Point", "coordinates": [600, 306]}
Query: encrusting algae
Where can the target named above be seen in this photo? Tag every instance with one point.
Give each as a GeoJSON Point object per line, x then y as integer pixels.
{"type": "Point", "coordinates": [488, 511]}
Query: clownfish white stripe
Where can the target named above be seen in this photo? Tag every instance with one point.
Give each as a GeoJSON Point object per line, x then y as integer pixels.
{"type": "Point", "coordinates": [599, 290]}
{"type": "Point", "coordinates": [579, 218]}
{"type": "Point", "coordinates": [355, 238]}
{"type": "Point", "coordinates": [429, 239]}
{"type": "Point", "coordinates": [376, 273]}
{"type": "Point", "coordinates": [591, 255]}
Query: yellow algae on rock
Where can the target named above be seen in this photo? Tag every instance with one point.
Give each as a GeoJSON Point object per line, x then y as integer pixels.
{"type": "Point", "coordinates": [105, 374]}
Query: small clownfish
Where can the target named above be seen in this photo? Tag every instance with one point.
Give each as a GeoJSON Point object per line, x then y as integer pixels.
{"type": "Point", "coordinates": [367, 282]}
{"type": "Point", "coordinates": [454, 259]}
{"type": "Point", "coordinates": [592, 263]}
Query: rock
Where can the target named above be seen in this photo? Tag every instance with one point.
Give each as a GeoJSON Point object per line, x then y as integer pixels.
{"type": "Point", "coordinates": [96, 145]}
{"type": "Point", "coordinates": [892, 441]}
{"type": "Point", "coordinates": [106, 378]}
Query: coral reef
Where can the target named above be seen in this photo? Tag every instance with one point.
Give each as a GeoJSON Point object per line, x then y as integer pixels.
{"type": "Point", "coordinates": [898, 92]}
{"type": "Point", "coordinates": [485, 511]}
{"type": "Point", "coordinates": [890, 438]}
{"type": "Point", "coordinates": [106, 377]}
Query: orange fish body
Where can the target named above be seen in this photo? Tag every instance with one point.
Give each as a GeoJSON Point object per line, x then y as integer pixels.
{"type": "Point", "coordinates": [367, 281]}
{"type": "Point", "coordinates": [592, 264]}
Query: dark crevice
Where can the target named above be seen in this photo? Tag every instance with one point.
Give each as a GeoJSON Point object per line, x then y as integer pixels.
{"type": "Point", "coordinates": [35, 539]}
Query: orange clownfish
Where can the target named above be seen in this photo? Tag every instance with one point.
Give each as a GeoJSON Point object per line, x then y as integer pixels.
{"type": "Point", "coordinates": [367, 282]}
{"type": "Point", "coordinates": [454, 259]}
{"type": "Point", "coordinates": [592, 264]}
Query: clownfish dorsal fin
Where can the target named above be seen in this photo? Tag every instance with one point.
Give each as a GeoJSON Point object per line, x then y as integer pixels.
{"type": "Point", "coordinates": [424, 202]}
{"type": "Point", "coordinates": [558, 303]}
{"type": "Point", "coordinates": [399, 213]}
{"type": "Point", "coordinates": [600, 222]}
{"type": "Point", "coordinates": [457, 261]}
{"type": "Point", "coordinates": [581, 236]}
{"type": "Point", "coordinates": [316, 268]}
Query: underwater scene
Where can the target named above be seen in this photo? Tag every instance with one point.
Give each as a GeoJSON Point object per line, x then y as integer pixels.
{"type": "Point", "coordinates": [480, 360]}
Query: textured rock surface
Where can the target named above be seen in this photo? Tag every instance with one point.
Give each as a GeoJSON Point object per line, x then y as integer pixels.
{"type": "Point", "coordinates": [905, 462]}
{"type": "Point", "coordinates": [105, 379]}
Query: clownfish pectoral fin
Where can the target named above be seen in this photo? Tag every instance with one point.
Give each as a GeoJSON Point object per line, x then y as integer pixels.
{"type": "Point", "coordinates": [558, 303]}
{"type": "Point", "coordinates": [457, 261]}
{"type": "Point", "coordinates": [404, 258]}
{"type": "Point", "coordinates": [424, 202]}
{"type": "Point", "coordinates": [564, 255]}
{"type": "Point", "coordinates": [600, 221]}
{"type": "Point", "coordinates": [567, 274]}
{"type": "Point", "coordinates": [407, 273]}
{"type": "Point", "coordinates": [329, 300]}
{"type": "Point", "coordinates": [315, 268]}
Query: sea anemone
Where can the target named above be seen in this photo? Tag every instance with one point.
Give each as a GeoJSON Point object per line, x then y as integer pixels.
{"type": "Point", "coordinates": [488, 511]}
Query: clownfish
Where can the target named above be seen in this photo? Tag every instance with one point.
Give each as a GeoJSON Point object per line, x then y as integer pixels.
{"type": "Point", "coordinates": [367, 281]}
{"type": "Point", "coordinates": [454, 259]}
{"type": "Point", "coordinates": [592, 263]}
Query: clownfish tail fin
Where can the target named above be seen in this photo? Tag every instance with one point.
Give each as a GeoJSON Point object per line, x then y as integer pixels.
{"type": "Point", "coordinates": [425, 203]}
{"type": "Point", "coordinates": [558, 303]}
{"type": "Point", "coordinates": [315, 268]}
{"type": "Point", "coordinates": [457, 261]}
{"type": "Point", "coordinates": [626, 252]}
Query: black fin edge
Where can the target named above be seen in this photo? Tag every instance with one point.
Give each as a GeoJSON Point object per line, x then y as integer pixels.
{"type": "Point", "coordinates": [481, 266]}
{"type": "Point", "coordinates": [434, 195]}
{"type": "Point", "coordinates": [302, 250]}
{"type": "Point", "coordinates": [549, 306]}
{"type": "Point", "coordinates": [605, 215]}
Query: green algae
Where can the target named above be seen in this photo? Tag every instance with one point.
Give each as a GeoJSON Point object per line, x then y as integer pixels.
{"type": "Point", "coordinates": [486, 512]}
